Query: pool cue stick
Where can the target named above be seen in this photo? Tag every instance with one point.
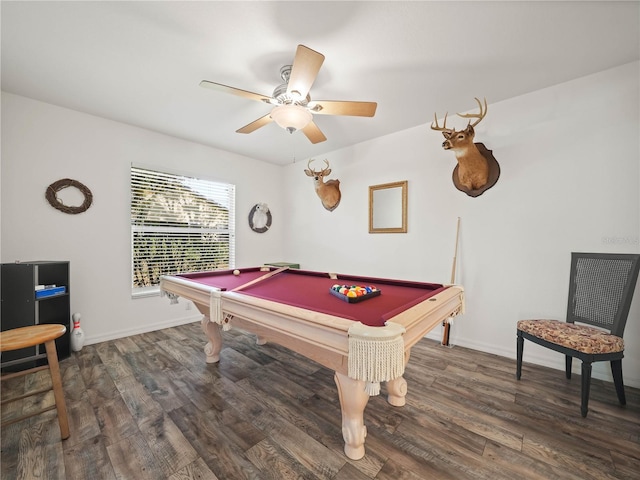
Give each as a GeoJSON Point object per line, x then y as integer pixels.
{"type": "Point", "coordinates": [455, 254]}
{"type": "Point", "coordinates": [259, 279]}
{"type": "Point", "coordinates": [445, 324]}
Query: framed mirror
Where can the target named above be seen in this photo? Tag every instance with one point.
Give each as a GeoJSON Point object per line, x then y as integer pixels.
{"type": "Point", "coordinates": [388, 208]}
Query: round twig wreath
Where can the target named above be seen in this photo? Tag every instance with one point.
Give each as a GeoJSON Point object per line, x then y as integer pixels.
{"type": "Point", "coordinates": [52, 196]}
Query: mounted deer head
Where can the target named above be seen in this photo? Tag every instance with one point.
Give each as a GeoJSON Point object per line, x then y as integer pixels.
{"type": "Point", "coordinates": [473, 166]}
{"type": "Point", "coordinates": [328, 192]}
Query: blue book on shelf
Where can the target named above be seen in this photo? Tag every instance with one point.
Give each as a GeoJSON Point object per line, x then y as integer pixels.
{"type": "Point", "coordinates": [50, 292]}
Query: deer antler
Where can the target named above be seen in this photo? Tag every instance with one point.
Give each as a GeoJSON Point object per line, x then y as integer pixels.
{"type": "Point", "coordinates": [319, 172]}
{"type": "Point", "coordinates": [479, 116]}
{"type": "Point", "coordinates": [309, 167]}
{"type": "Point", "coordinates": [444, 125]}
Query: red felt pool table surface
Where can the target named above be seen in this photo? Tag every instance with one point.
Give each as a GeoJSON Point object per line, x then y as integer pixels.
{"type": "Point", "coordinates": [310, 290]}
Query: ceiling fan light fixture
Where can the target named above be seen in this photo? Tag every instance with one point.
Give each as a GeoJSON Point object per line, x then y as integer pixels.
{"type": "Point", "coordinates": [291, 117]}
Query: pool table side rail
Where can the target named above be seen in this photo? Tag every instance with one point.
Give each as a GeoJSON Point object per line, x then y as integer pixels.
{"type": "Point", "coordinates": [420, 319]}
{"type": "Point", "coordinates": [186, 289]}
{"type": "Point", "coordinates": [315, 335]}
{"type": "Point", "coordinates": [320, 337]}
{"type": "Point", "coordinates": [324, 338]}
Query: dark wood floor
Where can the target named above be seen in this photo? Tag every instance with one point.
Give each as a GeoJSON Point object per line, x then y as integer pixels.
{"type": "Point", "coordinates": [149, 407]}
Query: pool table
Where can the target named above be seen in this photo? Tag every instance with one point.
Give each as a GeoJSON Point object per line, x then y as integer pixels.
{"type": "Point", "coordinates": [365, 341]}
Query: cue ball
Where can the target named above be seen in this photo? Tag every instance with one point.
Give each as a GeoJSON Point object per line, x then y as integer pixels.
{"type": "Point", "coordinates": [236, 272]}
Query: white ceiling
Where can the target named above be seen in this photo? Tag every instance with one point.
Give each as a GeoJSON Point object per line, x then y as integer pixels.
{"type": "Point", "coordinates": [140, 62]}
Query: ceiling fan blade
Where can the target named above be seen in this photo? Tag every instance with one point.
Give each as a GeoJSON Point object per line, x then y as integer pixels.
{"type": "Point", "coordinates": [313, 133]}
{"type": "Point", "coordinates": [256, 124]}
{"type": "Point", "coordinates": [304, 71]}
{"type": "Point", "coordinates": [235, 91]}
{"type": "Point", "coordinates": [355, 109]}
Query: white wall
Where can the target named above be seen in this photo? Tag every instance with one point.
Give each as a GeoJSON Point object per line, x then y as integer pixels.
{"type": "Point", "coordinates": [42, 143]}
{"type": "Point", "coordinates": [570, 181]}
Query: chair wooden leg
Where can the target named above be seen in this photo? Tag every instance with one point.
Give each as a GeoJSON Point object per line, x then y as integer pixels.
{"type": "Point", "coordinates": [568, 363]}
{"type": "Point", "coordinates": [56, 381]}
{"type": "Point", "coordinates": [616, 370]}
{"type": "Point", "coordinates": [586, 385]}
{"type": "Point", "coordinates": [519, 350]}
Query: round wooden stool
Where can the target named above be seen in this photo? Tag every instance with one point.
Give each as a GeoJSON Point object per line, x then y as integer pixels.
{"type": "Point", "coordinates": [18, 338]}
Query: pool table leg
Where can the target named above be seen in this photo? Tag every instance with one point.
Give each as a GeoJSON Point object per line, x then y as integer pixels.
{"type": "Point", "coordinates": [213, 347]}
{"type": "Point", "coordinates": [353, 400]}
{"type": "Point", "coordinates": [397, 392]}
{"type": "Point", "coordinates": [397, 388]}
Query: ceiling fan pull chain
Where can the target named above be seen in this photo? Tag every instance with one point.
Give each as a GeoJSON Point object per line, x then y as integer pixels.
{"type": "Point", "coordinates": [294, 150]}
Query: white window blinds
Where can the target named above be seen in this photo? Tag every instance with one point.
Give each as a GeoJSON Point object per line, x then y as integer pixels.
{"type": "Point", "coordinates": [179, 224]}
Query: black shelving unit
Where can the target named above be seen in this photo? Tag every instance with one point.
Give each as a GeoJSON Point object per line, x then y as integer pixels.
{"type": "Point", "coordinates": [21, 308]}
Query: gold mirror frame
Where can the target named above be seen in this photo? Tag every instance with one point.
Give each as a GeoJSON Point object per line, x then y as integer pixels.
{"type": "Point", "coordinates": [389, 214]}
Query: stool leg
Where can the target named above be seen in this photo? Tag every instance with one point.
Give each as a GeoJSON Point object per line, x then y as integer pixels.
{"type": "Point", "coordinates": [56, 381]}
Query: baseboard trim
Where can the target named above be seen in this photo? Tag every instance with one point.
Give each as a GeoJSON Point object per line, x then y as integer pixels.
{"type": "Point", "coordinates": [144, 329]}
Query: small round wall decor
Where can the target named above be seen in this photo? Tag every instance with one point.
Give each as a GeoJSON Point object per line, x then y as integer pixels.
{"type": "Point", "coordinates": [260, 218]}
{"type": "Point", "coordinates": [52, 196]}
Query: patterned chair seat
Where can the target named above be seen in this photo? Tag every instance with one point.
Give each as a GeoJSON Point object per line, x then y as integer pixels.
{"type": "Point", "coordinates": [581, 338]}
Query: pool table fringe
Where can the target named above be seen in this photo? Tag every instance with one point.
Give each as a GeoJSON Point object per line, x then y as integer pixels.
{"type": "Point", "coordinates": [376, 354]}
{"type": "Point", "coordinates": [215, 311]}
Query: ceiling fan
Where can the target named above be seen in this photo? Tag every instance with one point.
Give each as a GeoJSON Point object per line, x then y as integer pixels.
{"type": "Point", "coordinates": [293, 108]}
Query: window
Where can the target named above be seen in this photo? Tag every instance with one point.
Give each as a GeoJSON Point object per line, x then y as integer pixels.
{"type": "Point", "coordinates": [178, 224]}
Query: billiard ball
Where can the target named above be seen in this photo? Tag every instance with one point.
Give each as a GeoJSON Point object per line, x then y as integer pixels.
{"type": "Point", "coordinates": [236, 272]}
